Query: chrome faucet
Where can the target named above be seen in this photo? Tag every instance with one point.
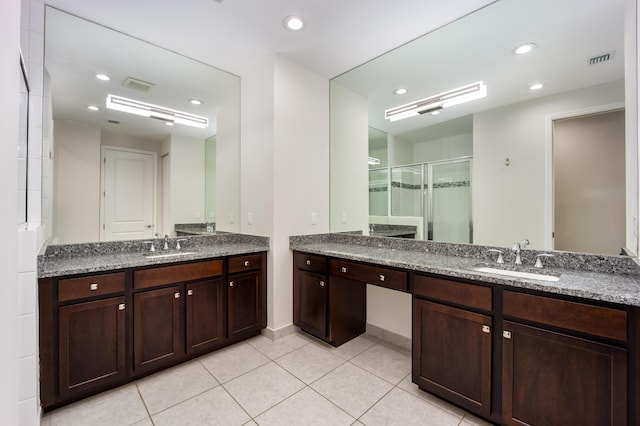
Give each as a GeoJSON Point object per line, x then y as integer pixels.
{"type": "Point", "coordinates": [517, 248]}
{"type": "Point", "coordinates": [166, 242]}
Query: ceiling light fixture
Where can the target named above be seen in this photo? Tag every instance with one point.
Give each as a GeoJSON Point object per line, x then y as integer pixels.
{"type": "Point", "coordinates": [195, 101]}
{"type": "Point", "coordinates": [437, 102]}
{"type": "Point", "coordinates": [536, 86]}
{"type": "Point", "coordinates": [374, 161]}
{"type": "Point", "coordinates": [93, 108]}
{"type": "Point", "coordinates": [400, 91]}
{"type": "Point", "coordinates": [102, 77]}
{"type": "Point", "coordinates": [524, 48]}
{"type": "Point", "coordinates": [154, 111]}
{"type": "Point", "coordinates": [293, 23]}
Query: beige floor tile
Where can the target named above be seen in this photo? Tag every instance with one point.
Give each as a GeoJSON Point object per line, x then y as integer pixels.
{"type": "Point", "coordinates": [213, 407]}
{"type": "Point", "coordinates": [277, 348]}
{"type": "Point", "coordinates": [389, 364]}
{"type": "Point", "coordinates": [174, 385]}
{"type": "Point", "coordinates": [407, 385]}
{"type": "Point", "coordinates": [352, 388]}
{"type": "Point", "coordinates": [305, 408]}
{"type": "Point", "coordinates": [120, 406]}
{"type": "Point", "coordinates": [145, 422]}
{"type": "Point", "coordinates": [263, 388]}
{"type": "Point", "coordinates": [471, 420]}
{"type": "Point", "coordinates": [352, 348]}
{"type": "Point", "coordinates": [309, 363]}
{"type": "Point", "coordinates": [231, 362]}
{"type": "Point", "coordinates": [401, 408]}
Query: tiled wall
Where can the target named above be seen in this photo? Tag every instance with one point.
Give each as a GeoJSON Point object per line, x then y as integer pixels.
{"type": "Point", "coordinates": [30, 238]}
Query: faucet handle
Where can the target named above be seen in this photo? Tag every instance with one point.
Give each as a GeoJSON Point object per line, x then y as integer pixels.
{"type": "Point", "coordinates": [500, 259]}
{"type": "Point", "coordinates": [539, 257]}
{"type": "Point", "coordinates": [178, 246]}
{"type": "Point", "coordinates": [152, 248]}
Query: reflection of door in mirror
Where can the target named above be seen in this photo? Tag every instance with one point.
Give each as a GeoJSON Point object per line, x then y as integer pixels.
{"type": "Point", "coordinates": [589, 183]}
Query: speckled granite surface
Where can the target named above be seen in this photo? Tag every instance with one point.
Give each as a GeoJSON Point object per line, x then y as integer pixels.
{"type": "Point", "coordinates": [67, 259]}
{"type": "Point", "coordinates": [606, 278]}
{"type": "Point", "coordinates": [197, 228]}
{"type": "Point", "coordinates": [385, 230]}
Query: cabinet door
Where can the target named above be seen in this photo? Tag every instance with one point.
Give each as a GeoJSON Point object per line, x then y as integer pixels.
{"type": "Point", "coordinates": [243, 303]}
{"type": "Point", "coordinates": [156, 331]}
{"type": "Point", "coordinates": [91, 345]}
{"type": "Point", "coordinates": [310, 303]}
{"type": "Point", "coordinates": [554, 379]}
{"type": "Point", "coordinates": [205, 315]}
{"type": "Point", "coordinates": [452, 354]}
{"type": "Point", "coordinates": [346, 309]}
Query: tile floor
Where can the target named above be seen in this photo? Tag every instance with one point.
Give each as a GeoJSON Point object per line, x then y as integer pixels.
{"type": "Point", "coordinates": [295, 380]}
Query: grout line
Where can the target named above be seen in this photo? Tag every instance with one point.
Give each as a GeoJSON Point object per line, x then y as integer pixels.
{"type": "Point", "coordinates": [143, 402]}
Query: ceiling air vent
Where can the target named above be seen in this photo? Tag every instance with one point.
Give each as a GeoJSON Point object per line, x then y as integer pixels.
{"type": "Point", "coordinates": [601, 58]}
{"type": "Point", "coordinates": [139, 85]}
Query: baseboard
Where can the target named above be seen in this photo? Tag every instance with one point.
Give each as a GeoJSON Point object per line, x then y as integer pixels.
{"type": "Point", "coordinates": [389, 336]}
{"type": "Point", "coordinates": [279, 333]}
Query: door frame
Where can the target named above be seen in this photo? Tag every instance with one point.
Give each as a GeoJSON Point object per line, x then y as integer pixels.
{"type": "Point", "coordinates": [103, 149]}
{"type": "Point", "coordinates": [548, 163]}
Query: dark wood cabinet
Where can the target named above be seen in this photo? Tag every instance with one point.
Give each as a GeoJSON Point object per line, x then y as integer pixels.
{"type": "Point", "coordinates": [310, 292]}
{"type": "Point", "coordinates": [246, 296]}
{"type": "Point", "coordinates": [205, 315]}
{"type": "Point", "coordinates": [550, 378]}
{"type": "Point", "coordinates": [157, 329]}
{"type": "Point", "coordinates": [91, 344]}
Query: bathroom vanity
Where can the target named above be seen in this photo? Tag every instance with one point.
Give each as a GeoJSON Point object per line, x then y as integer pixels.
{"type": "Point", "coordinates": [111, 312]}
{"type": "Point", "coordinates": [512, 350]}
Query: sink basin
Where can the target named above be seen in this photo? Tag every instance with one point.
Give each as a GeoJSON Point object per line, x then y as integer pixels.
{"type": "Point", "coordinates": [164, 255]}
{"type": "Point", "coordinates": [517, 274]}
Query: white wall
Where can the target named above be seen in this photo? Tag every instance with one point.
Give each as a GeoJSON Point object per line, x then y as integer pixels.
{"type": "Point", "coordinates": [631, 16]}
{"type": "Point", "coordinates": [187, 180]}
{"type": "Point", "coordinates": [285, 167]}
{"type": "Point", "coordinates": [76, 187]}
{"type": "Point", "coordinates": [509, 202]}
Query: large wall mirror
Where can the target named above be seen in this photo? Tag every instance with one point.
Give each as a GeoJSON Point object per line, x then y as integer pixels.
{"type": "Point", "coordinates": [118, 175]}
{"type": "Point", "coordinates": [556, 165]}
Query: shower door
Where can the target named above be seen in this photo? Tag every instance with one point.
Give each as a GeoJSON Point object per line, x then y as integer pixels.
{"type": "Point", "coordinates": [447, 201]}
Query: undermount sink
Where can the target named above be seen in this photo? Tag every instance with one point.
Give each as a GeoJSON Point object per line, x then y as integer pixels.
{"type": "Point", "coordinates": [162, 255]}
{"type": "Point", "coordinates": [517, 274]}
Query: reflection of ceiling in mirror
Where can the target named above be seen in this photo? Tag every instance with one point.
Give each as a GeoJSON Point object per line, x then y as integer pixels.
{"type": "Point", "coordinates": [479, 47]}
{"type": "Point", "coordinates": [77, 49]}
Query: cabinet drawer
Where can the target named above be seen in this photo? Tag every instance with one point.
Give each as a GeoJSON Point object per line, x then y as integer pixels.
{"type": "Point", "coordinates": [596, 320]}
{"type": "Point", "coordinates": [145, 278]}
{"type": "Point", "coordinates": [310, 262]}
{"type": "Point", "coordinates": [245, 263]}
{"type": "Point", "coordinates": [471, 295]}
{"type": "Point", "coordinates": [384, 277]}
{"type": "Point", "coordinates": [95, 285]}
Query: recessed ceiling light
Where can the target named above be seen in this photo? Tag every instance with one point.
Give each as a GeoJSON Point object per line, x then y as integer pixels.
{"type": "Point", "coordinates": [93, 108]}
{"type": "Point", "coordinates": [195, 101]}
{"type": "Point", "coordinates": [524, 48]}
{"type": "Point", "coordinates": [436, 112]}
{"type": "Point", "coordinates": [293, 23]}
{"type": "Point", "coordinates": [169, 123]}
{"type": "Point", "coordinates": [536, 86]}
{"type": "Point", "coordinates": [400, 91]}
{"type": "Point", "coordinates": [103, 77]}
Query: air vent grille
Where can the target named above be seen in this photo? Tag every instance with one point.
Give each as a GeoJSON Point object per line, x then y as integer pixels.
{"type": "Point", "coordinates": [601, 58]}
{"type": "Point", "coordinates": [139, 85]}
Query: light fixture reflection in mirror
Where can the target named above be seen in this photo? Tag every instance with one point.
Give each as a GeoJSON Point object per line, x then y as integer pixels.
{"type": "Point", "coordinates": [508, 203]}
{"type": "Point", "coordinates": [76, 51]}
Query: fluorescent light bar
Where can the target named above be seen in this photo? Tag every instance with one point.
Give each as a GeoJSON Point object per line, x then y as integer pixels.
{"type": "Point", "coordinates": [457, 96]}
{"type": "Point", "coordinates": [154, 111]}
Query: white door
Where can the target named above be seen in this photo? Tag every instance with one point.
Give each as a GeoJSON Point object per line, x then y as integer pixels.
{"type": "Point", "coordinates": [128, 194]}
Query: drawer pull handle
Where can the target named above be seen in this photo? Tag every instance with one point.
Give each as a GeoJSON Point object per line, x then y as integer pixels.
{"type": "Point", "coordinates": [189, 292]}
{"type": "Point", "coordinates": [321, 283]}
{"type": "Point", "coordinates": [246, 263]}
{"type": "Point", "coordinates": [506, 334]}
{"type": "Point", "coordinates": [486, 329]}
{"type": "Point", "coordinates": [121, 307]}
{"type": "Point", "coordinates": [176, 295]}
{"type": "Point", "coordinates": [93, 286]}
{"type": "Point", "coordinates": [308, 262]}
{"type": "Point", "coordinates": [382, 277]}
{"type": "Point", "coordinates": [230, 283]}
{"type": "Point", "coordinates": [344, 269]}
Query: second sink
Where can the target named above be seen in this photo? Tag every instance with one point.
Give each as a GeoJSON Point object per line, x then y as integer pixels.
{"type": "Point", "coordinates": [517, 274]}
{"type": "Point", "coordinates": [161, 255]}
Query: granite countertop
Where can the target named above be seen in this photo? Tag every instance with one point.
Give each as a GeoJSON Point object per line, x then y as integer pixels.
{"type": "Point", "coordinates": [68, 259]}
{"type": "Point", "coordinates": [613, 279]}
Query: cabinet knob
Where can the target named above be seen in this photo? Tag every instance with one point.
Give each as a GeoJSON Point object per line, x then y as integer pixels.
{"type": "Point", "coordinates": [382, 277]}
{"type": "Point", "coordinates": [230, 283]}
{"type": "Point", "coordinates": [486, 329]}
{"type": "Point", "coordinates": [93, 286]}
{"type": "Point", "coordinates": [506, 334]}
{"type": "Point", "coordinates": [344, 269]}
{"type": "Point", "coordinates": [121, 307]}
{"type": "Point", "coordinates": [189, 292]}
{"type": "Point", "coordinates": [246, 263]}
{"type": "Point", "coordinates": [308, 262]}
{"type": "Point", "coordinates": [321, 283]}
{"type": "Point", "coordinates": [176, 295]}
